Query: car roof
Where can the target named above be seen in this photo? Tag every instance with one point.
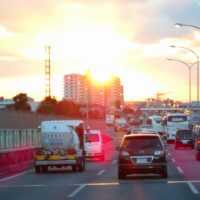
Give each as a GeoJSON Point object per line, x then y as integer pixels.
{"type": "Point", "coordinates": [94, 131]}
{"type": "Point", "coordinates": [140, 134]}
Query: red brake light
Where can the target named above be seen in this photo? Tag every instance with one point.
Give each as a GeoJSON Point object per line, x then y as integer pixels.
{"type": "Point", "coordinates": [198, 141]}
{"type": "Point", "coordinates": [38, 152]}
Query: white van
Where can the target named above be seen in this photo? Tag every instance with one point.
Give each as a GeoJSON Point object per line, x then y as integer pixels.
{"type": "Point", "coordinates": [94, 144]}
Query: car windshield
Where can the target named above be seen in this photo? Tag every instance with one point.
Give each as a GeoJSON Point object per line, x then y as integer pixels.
{"type": "Point", "coordinates": [92, 137]}
{"type": "Point", "coordinates": [141, 142]}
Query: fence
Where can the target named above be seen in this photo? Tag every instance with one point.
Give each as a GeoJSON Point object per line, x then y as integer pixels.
{"type": "Point", "coordinates": [19, 138]}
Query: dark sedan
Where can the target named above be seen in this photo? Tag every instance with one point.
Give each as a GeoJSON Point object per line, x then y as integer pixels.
{"type": "Point", "coordinates": [184, 138]}
{"type": "Point", "coordinates": [142, 154]}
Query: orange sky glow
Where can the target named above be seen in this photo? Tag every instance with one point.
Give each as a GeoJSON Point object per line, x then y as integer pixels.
{"type": "Point", "coordinates": [109, 37]}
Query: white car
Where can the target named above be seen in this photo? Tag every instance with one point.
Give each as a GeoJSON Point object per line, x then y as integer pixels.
{"type": "Point", "coordinates": [94, 144]}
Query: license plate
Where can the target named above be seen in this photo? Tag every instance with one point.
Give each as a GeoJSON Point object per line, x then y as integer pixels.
{"type": "Point", "coordinates": [184, 141]}
{"type": "Point", "coordinates": [141, 160]}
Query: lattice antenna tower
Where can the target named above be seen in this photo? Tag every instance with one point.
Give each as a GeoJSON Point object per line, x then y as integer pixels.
{"type": "Point", "coordinates": [47, 71]}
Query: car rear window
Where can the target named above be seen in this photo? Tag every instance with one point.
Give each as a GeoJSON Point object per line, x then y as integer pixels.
{"type": "Point", "coordinates": [142, 142]}
{"type": "Point", "coordinates": [92, 137]}
{"type": "Point", "coordinates": [184, 133]}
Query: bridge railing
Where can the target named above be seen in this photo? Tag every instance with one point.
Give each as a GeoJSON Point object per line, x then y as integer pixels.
{"type": "Point", "coordinates": [18, 138]}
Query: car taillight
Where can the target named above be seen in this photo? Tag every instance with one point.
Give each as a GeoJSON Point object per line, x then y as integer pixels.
{"type": "Point", "coordinates": [198, 141]}
{"type": "Point", "coordinates": [38, 152]}
{"type": "Point", "coordinates": [71, 151]}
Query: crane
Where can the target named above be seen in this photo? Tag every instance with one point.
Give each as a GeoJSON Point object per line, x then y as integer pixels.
{"type": "Point", "coordinates": [159, 94]}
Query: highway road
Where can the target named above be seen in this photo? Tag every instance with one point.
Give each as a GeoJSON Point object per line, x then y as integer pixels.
{"type": "Point", "coordinates": [99, 181]}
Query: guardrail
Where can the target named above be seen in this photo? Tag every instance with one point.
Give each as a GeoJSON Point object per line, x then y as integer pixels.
{"type": "Point", "coordinates": [17, 138]}
{"type": "Point", "coordinates": [17, 148]}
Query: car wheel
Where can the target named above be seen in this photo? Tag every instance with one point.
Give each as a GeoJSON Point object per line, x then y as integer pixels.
{"type": "Point", "coordinates": [121, 174]}
{"type": "Point", "coordinates": [102, 157]}
{"type": "Point", "coordinates": [164, 173]}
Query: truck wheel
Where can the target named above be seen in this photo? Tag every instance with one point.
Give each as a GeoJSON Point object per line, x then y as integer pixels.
{"type": "Point", "coordinates": [44, 169]}
{"type": "Point", "coordinates": [37, 169]}
{"type": "Point", "coordinates": [81, 166]}
{"type": "Point", "coordinates": [74, 168]}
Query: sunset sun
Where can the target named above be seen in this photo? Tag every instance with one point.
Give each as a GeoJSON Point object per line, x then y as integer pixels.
{"type": "Point", "coordinates": [101, 75]}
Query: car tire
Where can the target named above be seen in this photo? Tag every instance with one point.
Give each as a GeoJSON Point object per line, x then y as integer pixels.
{"type": "Point", "coordinates": [121, 174]}
{"type": "Point", "coordinates": [164, 173]}
{"type": "Point", "coordinates": [102, 157]}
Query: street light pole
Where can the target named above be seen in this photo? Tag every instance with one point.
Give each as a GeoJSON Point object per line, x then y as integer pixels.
{"type": "Point", "coordinates": [196, 27]}
{"type": "Point", "coordinates": [189, 67]}
{"type": "Point", "coordinates": [180, 25]}
{"type": "Point", "coordinates": [87, 103]}
{"type": "Point", "coordinates": [173, 46]}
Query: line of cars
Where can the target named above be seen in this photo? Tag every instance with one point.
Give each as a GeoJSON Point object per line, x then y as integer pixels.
{"type": "Point", "coordinates": [142, 150]}
{"type": "Point", "coordinates": [189, 138]}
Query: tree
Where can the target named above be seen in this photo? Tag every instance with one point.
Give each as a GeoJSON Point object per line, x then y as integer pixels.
{"type": "Point", "coordinates": [48, 105]}
{"type": "Point", "coordinates": [68, 108]}
{"type": "Point", "coordinates": [21, 102]}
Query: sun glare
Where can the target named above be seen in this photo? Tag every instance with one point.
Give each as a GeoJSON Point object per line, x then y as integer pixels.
{"type": "Point", "coordinates": [101, 75]}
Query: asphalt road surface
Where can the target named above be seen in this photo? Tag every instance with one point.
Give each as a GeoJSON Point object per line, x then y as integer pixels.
{"type": "Point", "coordinates": [99, 181]}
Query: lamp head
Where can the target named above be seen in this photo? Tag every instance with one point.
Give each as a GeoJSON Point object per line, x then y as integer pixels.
{"type": "Point", "coordinates": [178, 25]}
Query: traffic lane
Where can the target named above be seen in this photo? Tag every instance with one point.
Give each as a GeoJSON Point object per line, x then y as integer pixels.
{"type": "Point", "coordinates": [136, 190]}
{"type": "Point", "coordinates": [100, 185]}
{"type": "Point", "coordinates": [185, 161]}
{"type": "Point", "coordinates": [187, 165]}
{"type": "Point", "coordinates": [62, 178]}
{"type": "Point", "coordinates": [107, 186]}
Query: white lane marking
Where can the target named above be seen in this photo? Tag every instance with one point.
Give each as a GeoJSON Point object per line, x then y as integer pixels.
{"type": "Point", "coordinates": [76, 191]}
{"type": "Point", "coordinates": [173, 160]}
{"type": "Point", "coordinates": [16, 175]}
{"type": "Point", "coordinates": [193, 188]}
{"type": "Point", "coordinates": [101, 172]}
{"type": "Point", "coordinates": [113, 162]}
{"type": "Point", "coordinates": [180, 170]}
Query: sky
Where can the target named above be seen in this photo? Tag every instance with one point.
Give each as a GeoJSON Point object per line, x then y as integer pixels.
{"type": "Point", "coordinates": [126, 38]}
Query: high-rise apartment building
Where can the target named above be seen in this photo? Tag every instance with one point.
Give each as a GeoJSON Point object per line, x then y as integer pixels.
{"type": "Point", "coordinates": [114, 93]}
{"type": "Point", "coordinates": [75, 88]}
{"type": "Point", "coordinates": [82, 89]}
